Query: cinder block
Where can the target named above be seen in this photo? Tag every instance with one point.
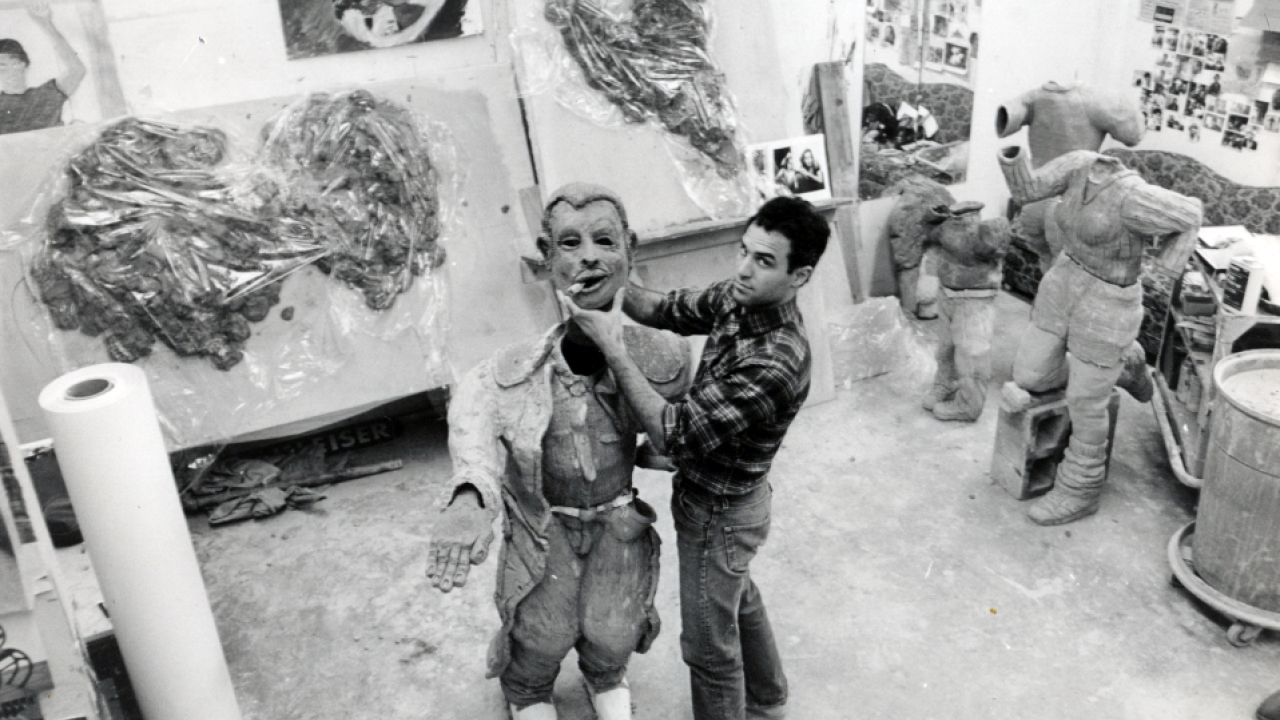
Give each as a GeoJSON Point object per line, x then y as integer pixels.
{"type": "Point", "coordinates": [1029, 444]}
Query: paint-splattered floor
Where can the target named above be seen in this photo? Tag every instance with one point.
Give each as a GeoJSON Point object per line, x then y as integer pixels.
{"type": "Point", "coordinates": [901, 581]}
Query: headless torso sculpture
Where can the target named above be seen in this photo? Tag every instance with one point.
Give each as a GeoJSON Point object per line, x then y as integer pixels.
{"type": "Point", "coordinates": [1088, 309]}
{"type": "Point", "coordinates": [1060, 119]}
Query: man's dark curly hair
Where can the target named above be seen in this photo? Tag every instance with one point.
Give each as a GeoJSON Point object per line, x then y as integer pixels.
{"type": "Point", "coordinates": [797, 220]}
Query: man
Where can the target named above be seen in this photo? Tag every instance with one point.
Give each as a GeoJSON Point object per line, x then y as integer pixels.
{"type": "Point", "coordinates": [540, 430]}
{"type": "Point", "coordinates": [751, 382]}
{"type": "Point", "coordinates": [1088, 310]}
{"type": "Point", "coordinates": [24, 108]}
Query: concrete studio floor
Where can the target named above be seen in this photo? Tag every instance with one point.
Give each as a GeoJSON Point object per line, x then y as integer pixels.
{"type": "Point", "coordinates": [901, 581]}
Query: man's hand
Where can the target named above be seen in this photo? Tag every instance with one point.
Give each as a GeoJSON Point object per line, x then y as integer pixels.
{"type": "Point", "coordinates": [604, 328]}
{"type": "Point", "coordinates": [459, 540]}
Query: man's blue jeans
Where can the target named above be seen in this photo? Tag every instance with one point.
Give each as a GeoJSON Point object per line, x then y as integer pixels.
{"type": "Point", "coordinates": [725, 634]}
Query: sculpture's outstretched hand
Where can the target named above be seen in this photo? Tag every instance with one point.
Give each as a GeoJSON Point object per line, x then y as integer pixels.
{"type": "Point", "coordinates": [460, 539]}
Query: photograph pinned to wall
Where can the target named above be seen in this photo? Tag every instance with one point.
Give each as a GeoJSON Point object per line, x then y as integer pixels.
{"type": "Point", "coordinates": [1214, 122]}
{"type": "Point", "coordinates": [1162, 11]}
{"type": "Point", "coordinates": [935, 54]}
{"type": "Point", "coordinates": [61, 67]}
{"type": "Point", "coordinates": [940, 26]}
{"type": "Point", "coordinates": [1193, 132]}
{"type": "Point", "coordinates": [1272, 123]}
{"type": "Point", "coordinates": [1157, 37]}
{"type": "Point", "coordinates": [796, 167]}
{"type": "Point", "coordinates": [1215, 53]}
{"type": "Point", "coordinates": [1174, 123]}
{"type": "Point", "coordinates": [1171, 39]}
{"type": "Point", "coordinates": [1237, 123]}
{"type": "Point", "coordinates": [314, 28]}
{"type": "Point", "coordinates": [1240, 140]}
{"type": "Point", "coordinates": [957, 58]}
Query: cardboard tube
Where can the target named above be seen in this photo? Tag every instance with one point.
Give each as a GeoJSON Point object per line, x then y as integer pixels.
{"type": "Point", "coordinates": [117, 472]}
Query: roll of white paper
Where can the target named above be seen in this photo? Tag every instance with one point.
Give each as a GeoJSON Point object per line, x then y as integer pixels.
{"type": "Point", "coordinates": [117, 472]}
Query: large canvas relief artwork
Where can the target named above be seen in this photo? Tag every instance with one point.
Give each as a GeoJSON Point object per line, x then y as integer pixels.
{"type": "Point", "coordinates": [314, 28]}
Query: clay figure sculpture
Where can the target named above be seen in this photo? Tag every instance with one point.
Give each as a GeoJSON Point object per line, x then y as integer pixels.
{"type": "Point", "coordinates": [540, 434]}
{"type": "Point", "coordinates": [1088, 310]}
{"type": "Point", "coordinates": [907, 232]}
{"type": "Point", "coordinates": [969, 252]}
{"type": "Point", "coordinates": [1060, 119]}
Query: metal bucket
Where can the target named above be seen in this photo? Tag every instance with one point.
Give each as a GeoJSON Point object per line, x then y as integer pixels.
{"type": "Point", "coordinates": [1237, 540]}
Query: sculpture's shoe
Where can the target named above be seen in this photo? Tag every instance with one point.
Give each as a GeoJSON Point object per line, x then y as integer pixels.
{"type": "Point", "coordinates": [1135, 379]}
{"type": "Point", "coordinates": [539, 711]}
{"type": "Point", "coordinates": [939, 393]}
{"type": "Point", "coordinates": [954, 410]}
{"type": "Point", "coordinates": [1014, 398]}
{"type": "Point", "coordinates": [1064, 505]}
{"type": "Point", "coordinates": [613, 704]}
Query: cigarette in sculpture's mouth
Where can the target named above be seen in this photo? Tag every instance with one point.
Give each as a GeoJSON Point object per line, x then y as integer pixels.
{"type": "Point", "coordinates": [575, 288]}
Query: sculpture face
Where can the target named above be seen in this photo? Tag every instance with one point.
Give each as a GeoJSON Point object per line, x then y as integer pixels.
{"type": "Point", "coordinates": [590, 247]}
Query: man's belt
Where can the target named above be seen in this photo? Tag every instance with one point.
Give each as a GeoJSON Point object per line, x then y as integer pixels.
{"type": "Point", "coordinates": [591, 513]}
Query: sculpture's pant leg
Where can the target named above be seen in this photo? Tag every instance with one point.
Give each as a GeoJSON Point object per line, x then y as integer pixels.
{"type": "Point", "coordinates": [1041, 361]}
{"type": "Point", "coordinates": [617, 586]}
{"type": "Point", "coordinates": [944, 378]}
{"type": "Point", "coordinates": [546, 625]}
{"type": "Point", "coordinates": [971, 321]}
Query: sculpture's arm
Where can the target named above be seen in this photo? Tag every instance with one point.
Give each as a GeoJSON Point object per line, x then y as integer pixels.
{"type": "Point", "coordinates": [1013, 114]}
{"type": "Point", "coordinates": [1171, 218]}
{"type": "Point", "coordinates": [1118, 115]}
{"type": "Point", "coordinates": [463, 530]}
{"type": "Point", "coordinates": [1051, 179]}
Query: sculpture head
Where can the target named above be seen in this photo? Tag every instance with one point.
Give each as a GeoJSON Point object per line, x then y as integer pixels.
{"type": "Point", "coordinates": [587, 243]}
{"type": "Point", "coordinates": [13, 66]}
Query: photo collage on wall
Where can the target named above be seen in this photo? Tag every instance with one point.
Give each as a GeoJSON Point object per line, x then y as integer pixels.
{"type": "Point", "coordinates": [941, 33]}
{"type": "Point", "coordinates": [1187, 90]}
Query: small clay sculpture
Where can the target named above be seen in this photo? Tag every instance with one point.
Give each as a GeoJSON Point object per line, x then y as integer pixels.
{"type": "Point", "coordinates": [969, 251]}
{"type": "Point", "coordinates": [541, 432]}
{"type": "Point", "coordinates": [1060, 119]}
{"type": "Point", "coordinates": [1088, 310]}
{"type": "Point", "coordinates": [916, 195]}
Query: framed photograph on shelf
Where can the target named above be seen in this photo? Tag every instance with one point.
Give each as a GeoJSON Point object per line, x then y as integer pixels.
{"type": "Point", "coordinates": [796, 167]}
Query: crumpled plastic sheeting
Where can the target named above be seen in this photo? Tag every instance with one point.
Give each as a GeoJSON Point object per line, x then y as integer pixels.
{"type": "Point", "coordinates": [618, 66]}
{"type": "Point", "coordinates": [874, 339]}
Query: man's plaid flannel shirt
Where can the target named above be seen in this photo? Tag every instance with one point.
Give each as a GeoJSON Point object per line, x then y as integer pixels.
{"type": "Point", "coordinates": [752, 380]}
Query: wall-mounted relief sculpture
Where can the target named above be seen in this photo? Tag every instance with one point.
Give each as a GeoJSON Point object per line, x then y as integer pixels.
{"type": "Point", "coordinates": [918, 68]}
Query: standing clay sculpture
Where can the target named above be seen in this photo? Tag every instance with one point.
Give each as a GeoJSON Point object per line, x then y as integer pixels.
{"type": "Point", "coordinates": [968, 252]}
{"type": "Point", "coordinates": [1088, 310]}
{"type": "Point", "coordinates": [915, 195]}
{"type": "Point", "coordinates": [1059, 120]}
{"type": "Point", "coordinates": [540, 434]}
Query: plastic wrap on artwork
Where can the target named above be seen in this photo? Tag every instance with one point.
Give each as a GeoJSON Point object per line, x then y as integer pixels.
{"type": "Point", "coordinates": [874, 339]}
{"type": "Point", "coordinates": [163, 234]}
{"type": "Point", "coordinates": [148, 236]}
{"type": "Point", "coordinates": [648, 63]}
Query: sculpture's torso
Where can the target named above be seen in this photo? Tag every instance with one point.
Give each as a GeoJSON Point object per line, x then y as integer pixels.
{"type": "Point", "coordinates": [1091, 216]}
{"type": "Point", "coordinates": [588, 429]}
